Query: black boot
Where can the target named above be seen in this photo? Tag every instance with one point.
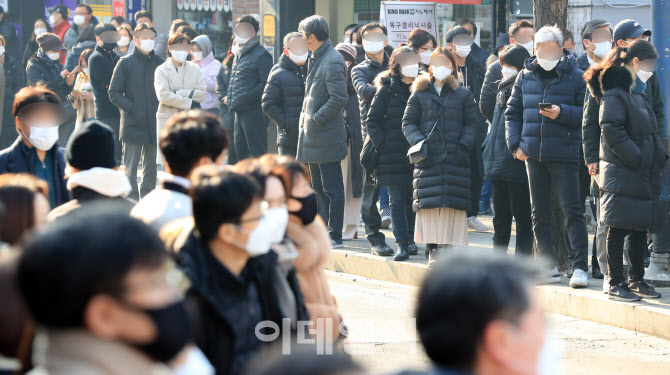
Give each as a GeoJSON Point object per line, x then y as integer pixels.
{"type": "Point", "coordinates": [382, 250]}
{"type": "Point", "coordinates": [429, 247]}
{"type": "Point", "coordinates": [413, 248]}
{"type": "Point", "coordinates": [403, 250]}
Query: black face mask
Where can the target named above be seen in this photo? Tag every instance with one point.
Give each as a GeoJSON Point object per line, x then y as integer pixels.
{"type": "Point", "coordinates": [109, 47]}
{"type": "Point", "coordinates": [308, 211]}
{"type": "Point", "coordinates": [172, 331]}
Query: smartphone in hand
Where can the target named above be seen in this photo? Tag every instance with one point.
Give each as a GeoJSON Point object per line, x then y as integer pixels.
{"type": "Point", "coordinates": [545, 105]}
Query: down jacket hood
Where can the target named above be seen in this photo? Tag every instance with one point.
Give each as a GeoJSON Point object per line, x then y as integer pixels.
{"type": "Point", "coordinates": [423, 81]}
{"type": "Point", "coordinates": [608, 78]}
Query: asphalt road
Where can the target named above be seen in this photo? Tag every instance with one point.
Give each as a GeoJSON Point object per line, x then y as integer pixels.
{"type": "Point", "coordinates": [381, 335]}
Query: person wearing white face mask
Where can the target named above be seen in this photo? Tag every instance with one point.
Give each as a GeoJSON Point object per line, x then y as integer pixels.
{"type": "Point", "coordinates": [128, 91]}
{"type": "Point", "coordinates": [83, 16]}
{"type": "Point", "coordinates": [543, 123]}
{"type": "Point", "coordinates": [125, 45]}
{"type": "Point", "coordinates": [203, 56]}
{"type": "Point", "coordinates": [424, 43]}
{"type": "Point", "coordinates": [284, 93]}
{"type": "Point", "coordinates": [438, 109]}
{"type": "Point", "coordinates": [36, 151]}
{"type": "Point", "coordinates": [40, 27]}
{"type": "Point", "coordinates": [230, 247]}
{"type": "Point", "coordinates": [597, 42]}
{"type": "Point", "coordinates": [82, 93]}
{"type": "Point", "coordinates": [180, 85]}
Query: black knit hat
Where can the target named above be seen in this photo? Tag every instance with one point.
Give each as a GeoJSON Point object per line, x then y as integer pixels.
{"type": "Point", "coordinates": [91, 145]}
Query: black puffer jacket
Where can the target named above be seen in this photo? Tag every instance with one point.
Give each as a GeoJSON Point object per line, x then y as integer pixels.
{"type": "Point", "coordinates": [42, 70]}
{"type": "Point", "coordinates": [499, 163]}
{"type": "Point", "coordinates": [132, 90]}
{"type": "Point", "coordinates": [631, 151]}
{"type": "Point", "coordinates": [385, 131]}
{"type": "Point", "coordinates": [443, 179]}
{"type": "Point", "coordinates": [362, 75]}
{"type": "Point", "coordinates": [540, 137]}
{"type": "Point", "coordinates": [472, 76]}
{"type": "Point", "coordinates": [101, 67]}
{"type": "Point", "coordinates": [282, 101]}
{"type": "Point", "coordinates": [249, 74]}
{"type": "Point", "coordinates": [487, 100]}
{"type": "Point", "coordinates": [222, 82]}
{"type": "Point", "coordinates": [15, 80]}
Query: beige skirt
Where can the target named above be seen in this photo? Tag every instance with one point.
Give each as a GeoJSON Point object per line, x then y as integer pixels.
{"type": "Point", "coordinates": [352, 206]}
{"type": "Point", "coordinates": [442, 226]}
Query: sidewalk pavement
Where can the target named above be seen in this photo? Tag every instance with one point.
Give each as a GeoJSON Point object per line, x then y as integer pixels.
{"type": "Point", "coordinates": [649, 316]}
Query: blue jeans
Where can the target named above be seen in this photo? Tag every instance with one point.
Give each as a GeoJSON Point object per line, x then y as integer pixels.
{"type": "Point", "coordinates": [487, 191]}
{"type": "Point", "coordinates": [563, 177]}
{"type": "Point", "coordinates": [383, 198]}
{"type": "Point", "coordinates": [402, 215]}
{"type": "Point", "coordinates": [371, 217]}
{"type": "Point", "coordinates": [329, 189]}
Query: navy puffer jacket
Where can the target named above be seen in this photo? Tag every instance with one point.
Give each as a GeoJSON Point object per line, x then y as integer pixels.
{"type": "Point", "coordinates": [249, 74]}
{"type": "Point", "coordinates": [540, 137]}
{"type": "Point", "coordinates": [443, 179]}
{"type": "Point", "coordinates": [385, 131]}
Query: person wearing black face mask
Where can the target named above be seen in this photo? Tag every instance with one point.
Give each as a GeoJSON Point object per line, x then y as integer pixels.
{"type": "Point", "coordinates": [116, 294]}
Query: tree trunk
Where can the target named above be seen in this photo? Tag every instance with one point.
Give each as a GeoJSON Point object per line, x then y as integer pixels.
{"type": "Point", "coordinates": [555, 12]}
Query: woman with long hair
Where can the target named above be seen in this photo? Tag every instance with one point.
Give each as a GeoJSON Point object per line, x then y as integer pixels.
{"type": "Point", "coordinates": [82, 93]}
{"type": "Point", "coordinates": [40, 27]}
{"type": "Point", "coordinates": [26, 205]}
{"type": "Point", "coordinates": [632, 158]}
{"type": "Point", "coordinates": [125, 45]}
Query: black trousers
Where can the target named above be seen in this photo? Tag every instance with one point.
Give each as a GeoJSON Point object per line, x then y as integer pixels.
{"type": "Point", "coordinates": [371, 217]}
{"type": "Point", "coordinates": [251, 134]}
{"type": "Point", "coordinates": [512, 200]}
{"type": "Point", "coordinates": [328, 185]}
{"type": "Point", "coordinates": [637, 243]}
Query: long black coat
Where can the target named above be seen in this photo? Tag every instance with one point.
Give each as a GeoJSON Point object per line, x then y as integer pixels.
{"type": "Point", "coordinates": [282, 101]}
{"type": "Point", "coordinates": [632, 155]}
{"type": "Point", "coordinates": [499, 163]}
{"type": "Point", "coordinates": [352, 120]}
{"type": "Point", "coordinates": [15, 80]}
{"type": "Point", "coordinates": [42, 70]}
{"type": "Point", "coordinates": [443, 179]}
{"type": "Point", "coordinates": [248, 77]}
{"type": "Point", "coordinates": [101, 66]}
{"type": "Point", "coordinates": [132, 90]}
{"type": "Point", "coordinates": [385, 131]}
{"type": "Point", "coordinates": [362, 77]}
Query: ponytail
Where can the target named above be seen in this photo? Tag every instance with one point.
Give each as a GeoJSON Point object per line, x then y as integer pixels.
{"type": "Point", "coordinates": [621, 56]}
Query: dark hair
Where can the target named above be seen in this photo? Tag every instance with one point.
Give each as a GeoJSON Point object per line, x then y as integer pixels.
{"type": "Point", "coordinates": [81, 256]}
{"type": "Point", "coordinates": [49, 29]}
{"type": "Point", "coordinates": [143, 14]}
{"type": "Point", "coordinates": [315, 25]}
{"type": "Point", "coordinates": [454, 32]}
{"type": "Point", "coordinates": [450, 55]}
{"type": "Point", "coordinates": [419, 37]}
{"type": "Point", "coordinates": [228, 61]}
{"type": "Point", "coordinates": [451, 319]}
{"type": "Point", "coordinates": [253, 169]}
{"type": "Point", "coordinates": [350, 26]}
{"type": "Point", "coordinates": [516, 26]}
{"type": "Point", "coordinates": [285, 168]}
{"type": "Point", "coordinates": [190, 136]}
{"type": "Point", "coordinates": [220, 197]}
{"type": "Point", "coordinates": [304, 360]}
{"type": "Point", "coordinates": [592, 25]}
{"type": "Point", "coordinates": [179, 38]}
{"type": "Point", "coordinates": [514, 55]}
{"type": "Point", "coordinates": [621, 56]}
{"type": "Point", "coordinates": [119, 20]}
{"type": "Point", "coordinates": [568, 35]}
{"type": "Point", "coordinates": [144, 26]}
{"type": "Point", "coordinates": [89, 10]}
{"type": "Point", "coordinates": [356, 36]}
{"type": "Point", "coordinates": [17, 194]}
{"type": "Point", "coordinates": [394, 67]}
{"type": "Point", "coordinates": [372, 25]}
{"type": "Point", "coordinates": [248, 19]}
{"type": "Point", "coordinates": [103, 27]}
{"type": "Point", "coordinates": [31, 95]}
{"type": "Point", "coordinates": [466, 21]}
{"type": "Point", "coordinates": [188, 31]}
{"type": "Point", "coordinates": [85, 54]}
{"type": "Point", "coordinates": [176, 24]}
{"type": "Point", "coordinates": [87, 34]}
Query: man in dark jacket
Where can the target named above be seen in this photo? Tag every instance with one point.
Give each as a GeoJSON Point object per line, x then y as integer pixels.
{"type": "Point", "coordinates": [36, 151]}
{"type": "Point", "coordinates": [15, 80]}
{"type": "Point", "coordinates": [477, 52]}
{"type": "Point", "coordinates": [284, 93]}
{"type": "Point", "coordinates": [322, 140]}
{"type": "Point", "coordinates": [362, 77]}
{"type": "Point", "coordinates": [8, 32]}
{"type": "Point", "coordinates": [548, 139]}
{"type": "Point", "coordinates": [132, 90]}
{"type": "Point", "coordinates": [232, 271]}
{"type": "Point", "coordinates": [249, 75]}
{"type": "Point", "coordinates": [101, 66]}
{"type": "Point", "coordinates": [83, 16]}
{"type": "Point", "coordinates": [597, 42]}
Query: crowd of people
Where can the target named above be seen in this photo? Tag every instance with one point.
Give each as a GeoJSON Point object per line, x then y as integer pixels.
{"type": "Point", "coordinates": [182, 272]}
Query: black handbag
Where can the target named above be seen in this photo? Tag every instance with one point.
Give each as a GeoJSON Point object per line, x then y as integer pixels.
{"type": "Point", "coordinates": [419, 152]}
{"type": "Point", "coordinates": [369, 155]}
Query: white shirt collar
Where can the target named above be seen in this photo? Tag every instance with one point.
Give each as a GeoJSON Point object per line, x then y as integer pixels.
{"type": "Point", "coordinates": [184, 182]}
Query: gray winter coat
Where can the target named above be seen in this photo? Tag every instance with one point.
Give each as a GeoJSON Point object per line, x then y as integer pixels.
{"type": "Point", "coordinates": [322, 137]}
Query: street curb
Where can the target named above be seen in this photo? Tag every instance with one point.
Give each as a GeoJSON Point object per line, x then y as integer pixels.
{"type": "Point", "coordinates": [644, 317]}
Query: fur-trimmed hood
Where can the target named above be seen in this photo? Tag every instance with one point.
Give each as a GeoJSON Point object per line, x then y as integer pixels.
{"type": "Point", "coordinates": [609, 78]}
{"type": "Point", "coordinates": [383, 77]}
{"type": "Point", "coordinates": [423, 82]}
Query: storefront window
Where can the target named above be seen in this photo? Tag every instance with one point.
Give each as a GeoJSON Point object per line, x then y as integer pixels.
{"type": "Point", "coordinates": [217, 25]}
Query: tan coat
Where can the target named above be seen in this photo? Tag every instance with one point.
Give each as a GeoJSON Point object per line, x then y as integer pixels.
{"type": "Point", "coordinates": [82, 99]}
{"type": "Point", "coordinates": [313, 244]}
{"type": "Point", "coordinates": [177, 89]}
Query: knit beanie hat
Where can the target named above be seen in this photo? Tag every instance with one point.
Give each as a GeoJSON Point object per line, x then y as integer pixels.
{"type": "Point", "coordinates": [91, 145]}
{"type": "Point", "coordinates": [348, 51]}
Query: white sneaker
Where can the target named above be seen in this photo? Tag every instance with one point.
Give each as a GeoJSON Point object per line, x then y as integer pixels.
{"type": "Point", "coordinates": [606, 284]}
{"type": "Point", "coordinates": [580, 279]}
{"type": "Point", "coordinates": [476, 225]}
{"type": "Point", "coordinates": [549, 276]}
{"type": "Point", "coordinates": [386, 218]}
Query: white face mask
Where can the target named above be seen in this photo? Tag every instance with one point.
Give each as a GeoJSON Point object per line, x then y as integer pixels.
{"type": "Point", "coordinates": [547, 64]}
{"type": "Point", "coordinates": [40, 31]}
{"type": "Point", "coordinates": [279, 217]}
{"type": "Point", "coordinates": [463, 51]}
{"type": "Point", "coordinates": [441, 73]}
{"type": "Point", "coordinates": [347, 39]}
{"type": "Point", "coordinates": [147, 45]}
{"type": "Point", "coordinates": [54, 56]}
{"type": "Point", "coordinates": [644, 75]}
{"type": "Point", "coordinates": [234, 49]}
{"type": "Point", "coordinates": [197, 55]}
{"type": "Point", "coordinates": [85, 70]}
{"type": "Point", "coordinates": [373, 47]}
{"type": "Point", "coordinates": [2, 50]}
{"type": "Point", "coordinates": [425, 57]}
{"type": "Point", "coordinates": [52, 20]}
{"type": "Point", "coordinates": [124, 41]}
{"type": "Point", "coordinates": [410, 70]}
{"type": "Point", "coordinates": [241, 41]}
{"type": "Point", "coordinates": [179, 56]}
{"type": "Point", "coordinates": [508, 72]}
{"type": "Point", "coordinates": [353, 43]}
{"type": "Point", "coordinates": [260, 239]}
{"type": "Point", "coordinates": [79, 20]}
{"type": "Point", "coordinates": [43, 138]}
{"type": "Point", "coordinates": [602, 49]}
{"type": "Point", "coordinates": [298, 59]}
{"type": "Point", "coordinates": [528, 46]}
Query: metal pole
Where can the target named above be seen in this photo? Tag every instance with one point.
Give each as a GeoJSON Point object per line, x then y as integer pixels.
{"type": "Point", "coordinates": [659, 268]}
